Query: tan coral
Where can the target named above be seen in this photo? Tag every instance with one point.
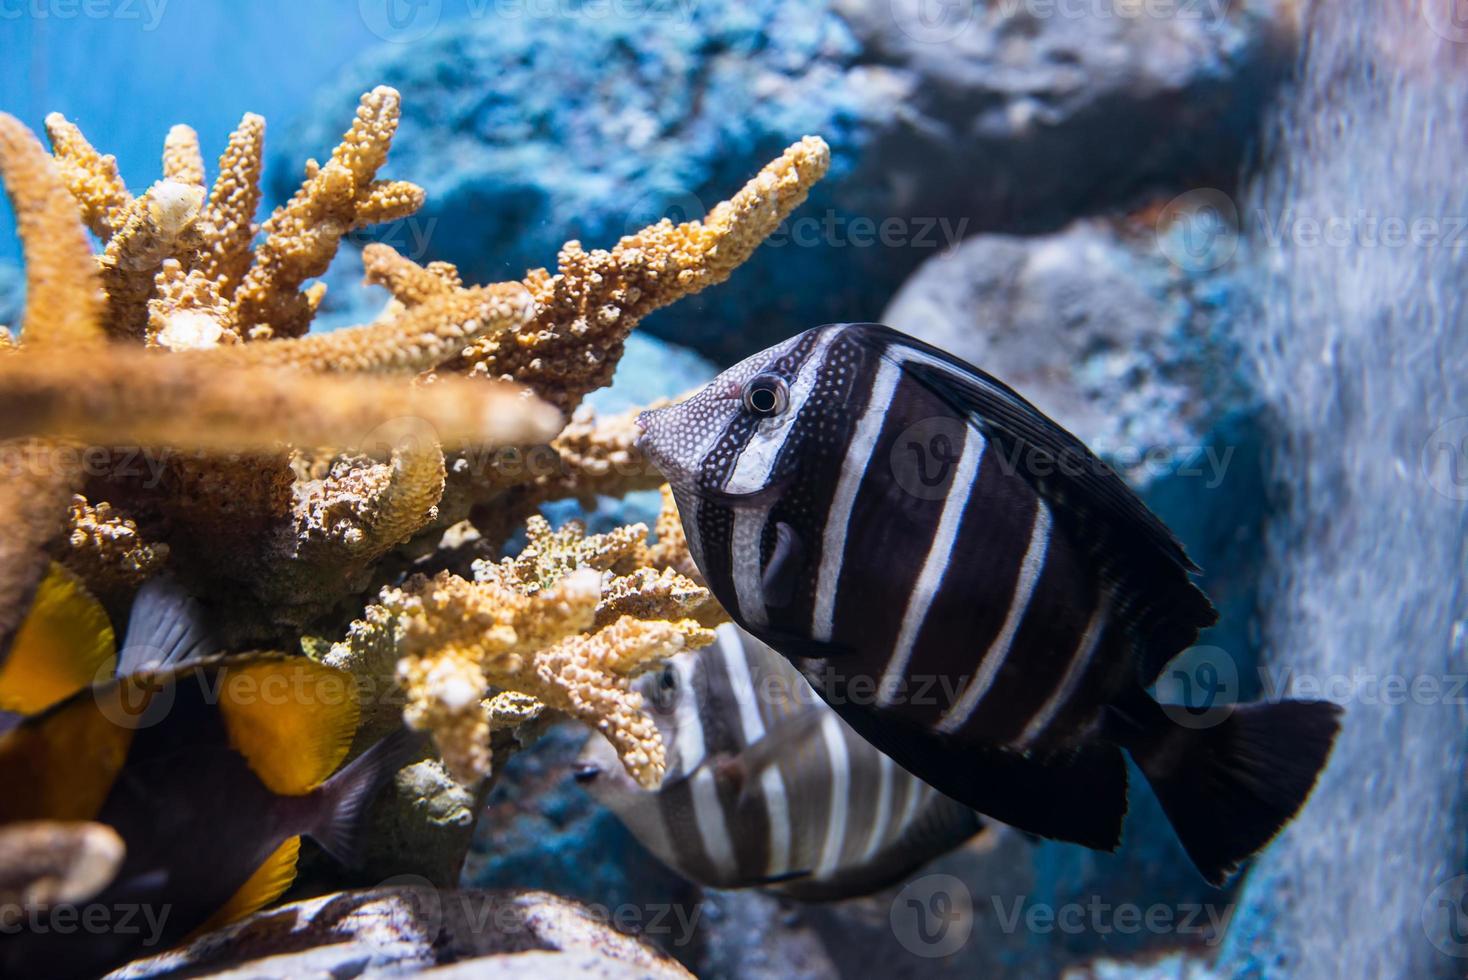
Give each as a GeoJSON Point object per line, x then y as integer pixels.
{"type": "Point", "coordinates": [183, 160]}
{"type": "Point", "coordinates": [568, 622]}
{"type": "Point", "coordinates": [410, 283]}
{"type": "Point", "coordinates": [92, 177]}
{"type": "Point", "coordinates": [36, 482]}
{"type": "Point", "coordinates": [63, 292]}
{"type": "Point", "coordinates": [105, 548]}
{"type": "Point", "coordinates": [586, 310]}
{"type": "Point", "coordinates": [160, 225]}
{"type": "Point", "coordinates": [233, 201]}
{"type": "Point", "coordinates": [415, 341]}
{"type": "Point", "coordinates": [304, 234]}
{"type": "Point", "coordinates": [134, 397]}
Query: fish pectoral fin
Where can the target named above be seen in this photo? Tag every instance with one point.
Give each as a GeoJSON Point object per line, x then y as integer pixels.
{"type": "Point", "coordinates": [776, 744]}
{"type": "Point", "coordinates": [782, 574]}
{"type": "Point", "coordinates": [167, 628]}
{"type": "Point", "coordinates": [268, 883]}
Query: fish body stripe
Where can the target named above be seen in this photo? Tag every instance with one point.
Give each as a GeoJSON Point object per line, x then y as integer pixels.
{"type": "Point", "coordinates": [777, 809]}
{"type": "Point", "coordinates": [833, 735]}
{"type": "Point", "coordinates": [886, 767]}
{"type": "Point", "coordinates": [1031, 567]}
{"type": "Point", "coordinates": [742, 689]}
{"type": "Point", "coordinates": [1071, 679]}
{"type": "Point", "coordinates": [690, 744]}
{"type": "Point", "coordinates": [713, 830]}
{"type": "Point", "coordinates": [838, 516]}
{"type": "Point", "coordinates": [930, 578]}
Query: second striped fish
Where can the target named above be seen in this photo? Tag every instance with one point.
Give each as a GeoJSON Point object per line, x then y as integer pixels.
{"type": "Point", "coordinates": [766, 785]}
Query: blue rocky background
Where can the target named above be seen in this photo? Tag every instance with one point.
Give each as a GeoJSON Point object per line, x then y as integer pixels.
{"type": "Point", "coordinates": [1049, 190]}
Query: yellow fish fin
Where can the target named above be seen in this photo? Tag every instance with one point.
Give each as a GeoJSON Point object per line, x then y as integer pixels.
{"type": "Point", "coordinates": [291, 718]}
{"type": "Point", "coordinates": [65, 644]}
{"type": "Point", "coordinates": [268, 883]}
{"type": "Point", "coordinates": [62, 765]}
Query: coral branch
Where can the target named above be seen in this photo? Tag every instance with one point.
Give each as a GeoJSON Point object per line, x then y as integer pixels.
{"type": "Point", "coordinates": [91, 177]}
{"type": "Point", "coordinates": [233, 202]}
{"type": "Point", "coordinates": [189, 402]}
{"type": "Point", "coordinates": [63, 293]}
{"type": "Point", "coordinates": [160, 225]}
{"type": "Point", "coordinates": [414, 341]}
{"type": "Point", "coordinates": [36, 482]}
{"type": "Point", "coordinates": [568, 623]}
{"type": "Point", "coordinates": [409, 282]}
{"type": "Point", "coordinates": [304, 234]}
{"type": "Point", "coordinates": [587, 309]}
{"type": "Point", "coordinates": [183, 161]}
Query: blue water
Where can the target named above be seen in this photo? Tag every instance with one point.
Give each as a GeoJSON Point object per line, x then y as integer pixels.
{"type": "Point", "coordinates": [126, 70]}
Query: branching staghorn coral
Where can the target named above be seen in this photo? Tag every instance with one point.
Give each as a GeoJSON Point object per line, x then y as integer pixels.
{"type": "Point", "coordinates": [121, 394]}
{"type": "Point", "coordinates": [588, 307]}
{"type": "Point", "coordinates": [294, 473]}
{"type": "Point", "coordinates": [564, 626]}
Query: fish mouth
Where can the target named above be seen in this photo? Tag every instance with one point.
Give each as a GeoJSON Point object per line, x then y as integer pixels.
{"type": "Point", "coordinates": [586, 772]}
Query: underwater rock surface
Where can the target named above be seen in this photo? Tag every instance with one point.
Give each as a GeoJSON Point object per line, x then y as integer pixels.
{"type": "Point", "coordinates": [402, 927]}
{"type": "Point", "coordinates": [530, 129]}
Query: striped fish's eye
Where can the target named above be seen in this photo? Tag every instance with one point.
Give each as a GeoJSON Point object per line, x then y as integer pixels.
{"type": "Point", "coordinates": [666, 689]}
{"type": "Point", "coordinates": [766, 395]}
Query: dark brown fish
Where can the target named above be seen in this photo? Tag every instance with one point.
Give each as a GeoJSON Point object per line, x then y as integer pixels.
{"type": "Point", "coordinates": [210, 772]}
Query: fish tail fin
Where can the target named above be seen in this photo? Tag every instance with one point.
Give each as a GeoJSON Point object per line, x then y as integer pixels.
{"type": "Point", "coordinates": [167, 627]}
{"type": "Point", "coordinates": [1228, 786]}
{"type": "Point", "coordinates": [345, 797]}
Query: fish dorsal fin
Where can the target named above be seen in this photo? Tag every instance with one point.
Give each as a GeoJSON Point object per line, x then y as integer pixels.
{"type": "Point", "coordinates": [268, 883]}
{"type": "Point", "coordinates": [1139, 558]}
{"type": "Point", "coordinates": [291, 718]}
{"type": "Point", "coordinates": [166, 628]}
{"type": "Point", "coordinates": [64, 644]}
{"type": "Point", "coordinates": [62, 765]}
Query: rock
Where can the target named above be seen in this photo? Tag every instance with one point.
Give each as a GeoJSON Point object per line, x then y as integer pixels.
{"type": "Point", "coordinates": [405, 927]}
{"type": "Point", "coordinates": [528, 130]}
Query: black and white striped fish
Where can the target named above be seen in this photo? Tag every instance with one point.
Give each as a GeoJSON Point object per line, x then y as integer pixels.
{"type": "Point", "coordinates": [985, 600]}
{"type": "Point", "coordinates": [766, 785]}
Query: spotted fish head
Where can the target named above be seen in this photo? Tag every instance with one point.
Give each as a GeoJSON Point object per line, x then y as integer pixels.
{"type": "Point", "coordinates": [722, 441]}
